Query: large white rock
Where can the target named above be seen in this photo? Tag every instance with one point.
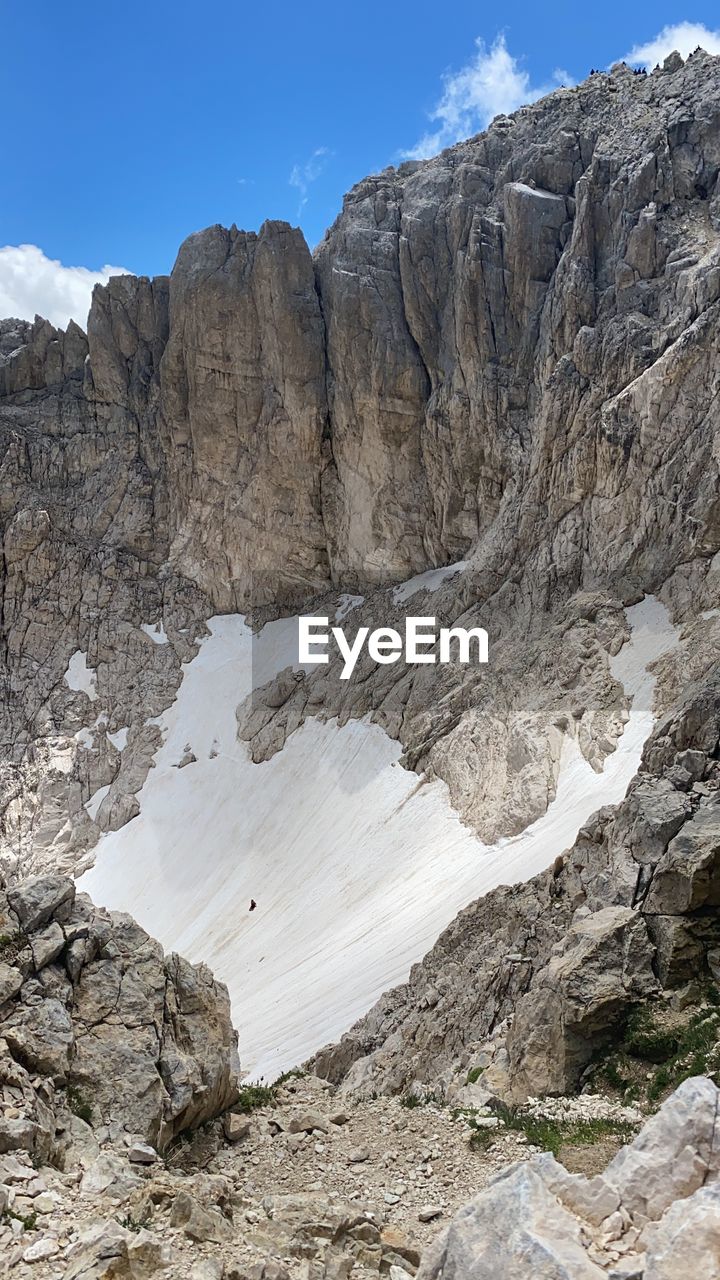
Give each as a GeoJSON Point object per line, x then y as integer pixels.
{"type": "Point", "coordinates": [685, 1243]}
{"type": "Point", "coordinates": [673, 1155]}
{"type": "Point", "coordinates": [515, 1230]}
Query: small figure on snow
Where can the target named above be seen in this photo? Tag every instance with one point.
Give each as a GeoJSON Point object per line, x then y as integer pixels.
{"type": "Point", "coordinates": [253, 904]}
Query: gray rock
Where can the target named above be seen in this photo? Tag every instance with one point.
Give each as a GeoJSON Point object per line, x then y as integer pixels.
{"type": "Point", "coordinates": [429, 1213]}
{"type": "Point", "coordinates": [142, 1153]}
{"type": "Point", "coordinates": [47, 945]}
{"type": "Point", "coordinates": [673, 1156]}
{"type": "Point", "coordinates": [136, 1037]}
{"type": "Point", "coordinates": [11, 980]}
{"type": "Point", "coordinates": [515, 1230]}
{"type": "Point", "coordinates": [106, 1249]}
{"type": "Point", "coordinates": [197, 1222]}
{"type": "Point", "coordinates": [36, 901]}
{"type": "Point", "coordinates": [687, 876]}
{"type": "Point", "coordinates": [307, 1122]}
{"type": "Point", "coordinates": [235, 1127]}
{"type": "Point", "coordinates": [686, 1240]}
{"type": "Point", "coordinates": [207, 1269]}
{"type": "Point", "coordinates": [41, 1250]}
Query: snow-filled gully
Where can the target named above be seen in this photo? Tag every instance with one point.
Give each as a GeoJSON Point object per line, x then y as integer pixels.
{"type": "Point", "coordinates": [354, 868]}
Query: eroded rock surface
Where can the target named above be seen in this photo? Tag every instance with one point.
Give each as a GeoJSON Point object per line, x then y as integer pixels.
{"type": "Point", "coordinates": [651, 1215]}
{"type": "Point", "coordinates": [95, 1020]}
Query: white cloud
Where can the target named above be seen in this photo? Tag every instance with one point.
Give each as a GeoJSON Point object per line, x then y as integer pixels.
{"type": "Point", "coordinates": [303, 175]}
{"type": "Point", "coordinates": [492, 83]}
{"type": "Point", "coordinates": [683, 37]}
{"type": "Point", "coordinates": [32, 284]}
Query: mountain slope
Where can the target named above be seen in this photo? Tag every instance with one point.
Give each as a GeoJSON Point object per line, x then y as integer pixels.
{"type": "Point", "coordinates": [503, 358]}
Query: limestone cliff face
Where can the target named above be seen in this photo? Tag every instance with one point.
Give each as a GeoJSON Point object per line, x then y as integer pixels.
{"type": "Point", "coordinates": [243, 413]}
{"type": "Point", "coordinates": [483, 346]}
{"type": "Point", "coordinates": [507, 354]}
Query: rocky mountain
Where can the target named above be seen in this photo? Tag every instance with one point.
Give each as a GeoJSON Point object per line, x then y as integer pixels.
{"type": "Point", "coordinates": [505, 354]}
{"type": "Point", "coordinates": [489, 395]}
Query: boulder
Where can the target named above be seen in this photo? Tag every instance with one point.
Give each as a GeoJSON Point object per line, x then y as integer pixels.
{"type": "Point", "coordinates": [687, 876]}
{"type": "Point", "coordinates": [107, 1249]}
{"type": "Point", "coordinates": [686, 1241]}
{"type": "Point", "coordinates": [674, 1155]}
{"type": "Point", "coordinates": [137, 1038]}
{"type": "Point", "coordinates": [514, 1230]}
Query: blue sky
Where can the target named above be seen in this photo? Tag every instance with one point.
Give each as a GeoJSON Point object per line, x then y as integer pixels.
{"type": "Point", "coordinates": [129, 126]}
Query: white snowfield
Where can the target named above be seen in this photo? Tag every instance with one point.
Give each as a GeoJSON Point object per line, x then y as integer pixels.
{"type": "Point", "coordinates": [80, 677]}
{"type": "Point", "coordinates": [355, 863]}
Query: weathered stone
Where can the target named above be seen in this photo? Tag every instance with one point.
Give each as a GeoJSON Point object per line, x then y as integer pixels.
{"type": "Point", "coordinates": [11, 980]}
{"type": "Point", "coordinates": [429, 1212]}
{"type": "Point", "coordinates": [197, 1222]}
{"type": "Point", "coordinates": [307, 1122]}
{"type": "Point", "coordinates": [138, 1038]}
{"type": "Point", "coordinates": [142, 1153]}
{"type": "Point", "coordinates": [106, 1249]}
{"type": "Point", "coordinates": [38, 900]}
{"type": "Point", "coordinates": [687, 877]}
{"type": "Point", "coordinates": [41, 1250]}
{"type": "Point", "coordinates": [673, 1155]}
{"type": "Point", "coordinates": [515, 1230]}
{"type": "Point", "coordinates": [47, 945]}
{"type": "Point", "coordinates": [686, 1240]}
{"type": "Point", "coordinates": [236, 1127]}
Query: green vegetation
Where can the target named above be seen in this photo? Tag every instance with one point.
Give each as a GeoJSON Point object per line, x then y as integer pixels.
{"type": "Point", "coordinates": [542, 1132]}
{"type": "Point", "coordinates": [647, 1041]}
{"type": "Point", "coordinates": [79, 1105]}
{"type": "Point", "coordinates": [551, 1135]}
{"type": "Point", "coordinates": [412, 1100]}
{"type": "Point", "coordinates": [29, 1220]}
{"type": "Point", "coordinates": [696, 1053]}
{"type": "Point", "coordinates": [135, 1224]}
{"type": "Point", "coordinates": [296, 1073]}
{"type": "Point", "coordinates": [254, 1096]}
{"type": "Point", "coordinates": [474, 1075]}
{"type": "Point", "coordinates": [657, 1048]}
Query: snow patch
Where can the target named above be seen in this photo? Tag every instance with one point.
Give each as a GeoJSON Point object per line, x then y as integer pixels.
{"type": "Point", "coordinates": [356, 864]}
{"type": "Point", "coordinates": [80, 677]}
{"type": "Point", "coordinates": [156, 632]}
{"type": "Point", "coordinates": [93, 804]}
{"type": "Point", "coordinates": [430, 580]}
{"type": "Point", "coordinates": [346, 604]}
{"type": "Point", "coordinates": [119, 738]}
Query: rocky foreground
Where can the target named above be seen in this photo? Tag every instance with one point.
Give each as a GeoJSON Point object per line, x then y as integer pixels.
{"type": "Point", "coordinates": [128, 1149]}
{"type": "Point", "coordinates": [305, 1187]}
